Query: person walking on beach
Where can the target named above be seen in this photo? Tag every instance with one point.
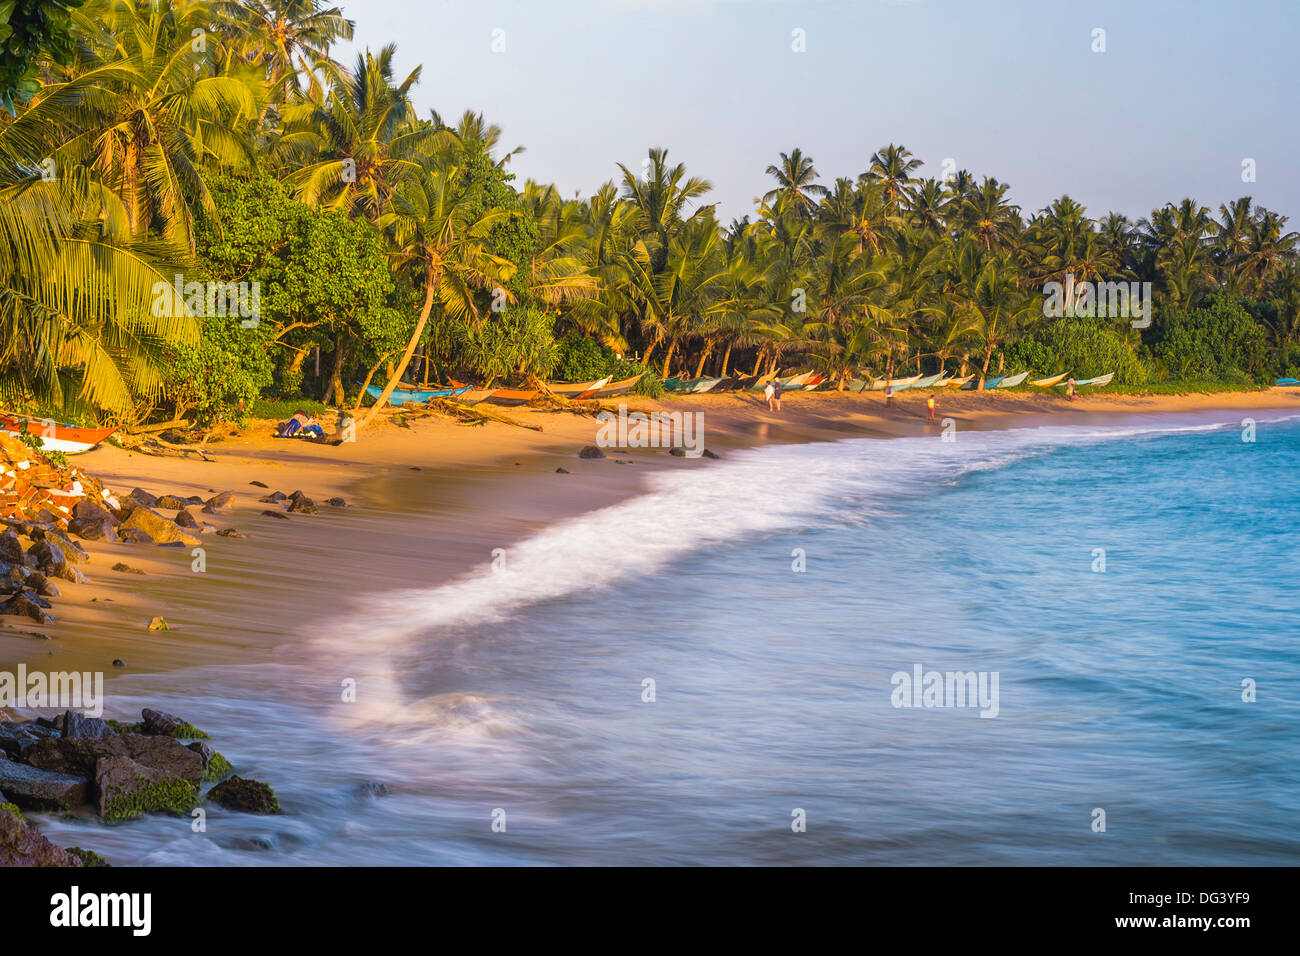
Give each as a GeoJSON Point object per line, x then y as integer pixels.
{"type": "Point", "coordinates": [889, 394]}
{"type": "Point", "coordinates": [1069, 389]}
{"type": "Point", "coordinates": [769, 391]}
{"type": "Point", "coordinates": [929, 404]}
{"type": "Point", "coordinates": [776, 395]}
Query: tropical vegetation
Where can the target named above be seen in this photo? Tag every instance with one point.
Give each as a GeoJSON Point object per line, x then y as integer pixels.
{"type": "Point", "coordinates": [155, 143]}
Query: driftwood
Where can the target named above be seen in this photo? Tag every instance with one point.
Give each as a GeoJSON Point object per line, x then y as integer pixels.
{"type": "Point", "coordinates": [472, 414]}
{"type": "Point", "coordinates": [160, 427]}
{"type": "Point", "coordinates": [160, 448]}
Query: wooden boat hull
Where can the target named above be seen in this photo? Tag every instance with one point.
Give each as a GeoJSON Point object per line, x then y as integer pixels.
{"type": "Point", "coordinates": [1097, 382]}
{"type": "Point", "coordinates": [958, 382]}
{"type": "Point", "coordinates": [576, 389]}
{"type": "Point", "coordinates": [1288, 382]}
{"type": "Point", "coordinates": [1013, 381]}
{"type": "Point", "coordinates": [928, 381]}
{"type": "Point", "coordinates": [705, 385]}
{"type": "Point", "coordinates": [65, 438]}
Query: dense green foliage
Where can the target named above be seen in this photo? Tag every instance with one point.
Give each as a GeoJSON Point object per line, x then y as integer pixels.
{"type": "Point", "coordinates": [220, 142]}
{"type": "Point", "coordinates": [28, 27]}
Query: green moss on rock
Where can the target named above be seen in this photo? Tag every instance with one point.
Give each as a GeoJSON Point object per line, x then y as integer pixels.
{"type": "Point", "coordinates": [218, 768]}
{"type": "Point", "coordinates": [88, 857]}
{"type": "Point", "coordinates": [13, 808]}
{"type": "Point", "coordinates": [149, 796]}
{"type": "Point", "coordinates": [184, 731]}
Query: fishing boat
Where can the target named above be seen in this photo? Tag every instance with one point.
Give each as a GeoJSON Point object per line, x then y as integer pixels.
{"type": "Point", "coordinates": [68, 439]}
{"type": "Point", "coordinates": [816, 381]}
{"type": "Point", "coordinates": [898, 383]}
{"type": "Point", "coordinates": [621, 387]}
{"type": "Point", "coordinates": [1099, 381]}
{"type": "Point", "coordinates": [473, 396]}
{"type": "Point", "coordinates": [1049, 382]}
{"type": "Point", "coordinates": [928, 381]}
{"type": "Point", "coordinates": [576, 389]}
{"type": "Point", "coordinates": [1288, 382]}
{"type": "Point", "coordinates": [992, 383]}
{"type": "Point", "coordinates": [401, 396]}
{"type": "Point", "coordinates": [958, 382]}
{"type": "Point", "coordinates": [795, 381]}
{"type": "Point", "coordinates": [511, 396]}
{"type": "Point", "coordinates": [590, 392]}
{"type": "Point", "coordinates": [1013, 381]}
{"type": "Point", "coordinates": [704, 385]}
{"type": "Point", "coordinates": [858, 385]}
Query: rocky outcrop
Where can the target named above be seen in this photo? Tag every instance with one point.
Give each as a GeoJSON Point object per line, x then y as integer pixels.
{"type": "Point", "coordinates": [79, 757]}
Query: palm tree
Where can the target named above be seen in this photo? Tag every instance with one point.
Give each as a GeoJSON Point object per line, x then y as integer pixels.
{"type": "Point", "coordinates": [796, 183]}
{"type": "Point", "coordinates": [997, 309]}
{"type": "Point", "coordinates": [660, 200]}
{"type": "Point", "coordinates": [148, 110]}
{"type": "Point", "coordinates": [893, 167]}
{"type": "Point", "coordinates": [360, 139]}
{"type": "Point", "coordinates": [441, 238]}
{"type": "Point", "coordinates": [285, 38]}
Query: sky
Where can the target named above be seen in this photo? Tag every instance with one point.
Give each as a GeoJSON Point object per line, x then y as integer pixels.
{"type": "Point", "coordinates": [1184, 93]}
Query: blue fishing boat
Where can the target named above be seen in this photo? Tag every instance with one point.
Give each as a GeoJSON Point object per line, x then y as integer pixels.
{"type": "Point", "coordinates": [401, 396]}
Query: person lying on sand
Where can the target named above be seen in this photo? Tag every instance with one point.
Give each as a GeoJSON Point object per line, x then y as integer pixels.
{"type": "Point", "coordinates": [301, 425]}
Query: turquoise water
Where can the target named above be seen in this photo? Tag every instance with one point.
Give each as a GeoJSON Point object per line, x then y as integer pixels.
{"type": "Point", "coordinates": [1118, 690]}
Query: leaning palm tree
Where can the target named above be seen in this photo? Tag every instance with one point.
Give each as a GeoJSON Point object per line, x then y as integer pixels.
{"type": "Point", "coordinates": [441, 235]}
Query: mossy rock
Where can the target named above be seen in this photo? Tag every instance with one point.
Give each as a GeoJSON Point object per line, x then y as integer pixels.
{"type": "Point", "coordinates": [245, 796]}
{"type": "Point", "coordinates": [118, 727]}
{"type": "Point", "coordinates": [13, 808]}
{"type": "Point", "coordinates": [219, 768]}
{"type": "Point", "coordinates": [88, 857]}
{"type": "Point", "coordinates": [126, 789]}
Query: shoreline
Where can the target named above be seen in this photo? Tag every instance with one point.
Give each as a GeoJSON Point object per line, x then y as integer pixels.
{"type": "Point", "coordinates": [428, 501]}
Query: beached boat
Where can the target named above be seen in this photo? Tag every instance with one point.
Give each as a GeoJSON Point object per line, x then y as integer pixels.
{"type": "Point", "coordinates": [879, 384]}
{"type": "Point", "coordinates": [928, 381]}
{"type": "Point", "coordinates": [400, 396]}
{"type": "Point", "coordinates": [858, 385]}
{"type": "Point", "coordinates": [68, 439]}
{"type": "Point", "coordinates": [511, 396]}
{"type": "Point", "coordinates": [576, 389]}
{"type": "Point", "coordinates": [992, 383]}
{"type": "Point", "coordinates": [1288, 382]}
{"type": "Point", "coordinates": [1097, 382]}
{"type": "Point", "coordinates": [1049, 382]}
{"type": "Point", "coordinates": [621, 387]}
{"type": "Point", "coordinates": [817, 381]}
{"type": "Point", "coordinates": [1013, 380]}
{"type": "Point", "coordinates": [958, 382]}
{"type": "Point", "coordinates": [474, 395]}
{"type": "Point", "coordinates": [704, 385]}
{"type": "Point", "coordinates": [590, 392]}
{"type": "Point", "coordinates": [795, 381]}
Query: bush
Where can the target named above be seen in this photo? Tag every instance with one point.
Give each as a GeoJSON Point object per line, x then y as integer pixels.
{"type": "Point", "coordinates": [1217, 340]}
{"type": "Point", "coordinates": [219, 378]}
{"type": "Point", "coordinates": [1084, 347]}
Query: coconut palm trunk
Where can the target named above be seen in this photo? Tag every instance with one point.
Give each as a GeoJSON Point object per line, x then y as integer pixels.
{"type": "Point", "coordinates": [430, 284]}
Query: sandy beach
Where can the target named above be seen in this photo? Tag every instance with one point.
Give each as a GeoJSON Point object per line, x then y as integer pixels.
{"type": "Point", "coordinates": [428, 499]}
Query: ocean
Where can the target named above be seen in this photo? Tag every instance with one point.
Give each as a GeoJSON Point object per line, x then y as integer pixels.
{"type": "Point", "coordinates": [719, 671]}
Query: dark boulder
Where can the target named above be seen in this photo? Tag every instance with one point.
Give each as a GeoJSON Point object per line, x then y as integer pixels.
{"type": "Point", "coordinates": [223, 501]}
{"type": "Point", "coordinates": [562, 471]}
{"type": "Point", "coordinates": [171, 503]}
{"type": "Point", "coordinates": [336, 502]}
{"type": "Point", "coordinates": [27, 604]}
{"type": "Point", "coordinates": [133, 536]}
{"type": "Point", "coordinates": [591, 451]}
{"type": "Point", "coordinates": [126, 568]}
{"type": "Point", "coordinates": [230, 533]}
{"type": "Point", "coordinates": [158, 528]}
{"type": "Point", "coordinates": [80, 727]}
{"type": "Point", "coordinates": [11, 549]}
{"type": "Point", "coordinates": [169, 725]}
{"type": "Point", "coordinates": [274, 498]}
{"type": "Point", "coordinates": [186, 520]}
{"type": "Point", "coordinates": [34, 789]}
{"type": "Point", "coordinates": [303, 505]}
{"type": "Point", "coordinates": [275, 514]}
{"type": "Point", "coordinates": [139, 498]}
{"type": "Point", "coordinates": [245, 796]}
{"type": "Point", "coordinates": [259, 484]}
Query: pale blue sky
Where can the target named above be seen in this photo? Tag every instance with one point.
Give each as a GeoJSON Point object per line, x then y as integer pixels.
{"type": "Point", "coordinates": [1011, 88]}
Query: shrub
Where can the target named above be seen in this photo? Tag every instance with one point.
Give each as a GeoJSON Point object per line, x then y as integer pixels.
{"type": "Point", "coordinates": [1219, 339]}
